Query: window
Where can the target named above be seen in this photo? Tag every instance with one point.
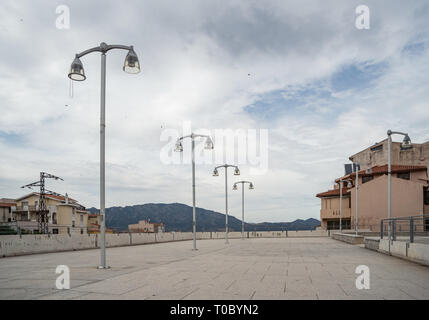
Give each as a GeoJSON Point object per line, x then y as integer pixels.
{"type": "Point", "coordinates": [54, 231]}
{"type": "Point", "coordinates": [377, 148]}
{"type": "Point", "coordinates": [367, 178]}
{"type": "Point", "coordinates": [81, 231]}
{"type": "Point", "coordinates": [81, 218]}
{"type": "Point", "coordinates": [404, 175]}
{"type": "Point", "coordinates": [73, 223]}
{"type": "Point", "coordinates": [426, 197]}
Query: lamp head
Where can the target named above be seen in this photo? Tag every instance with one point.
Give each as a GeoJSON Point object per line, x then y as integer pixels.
{"type": "Point", "coordinates": [215, 173]}
{"type": "Point", "coordinates": [179, 147]}
{"type": "Point", "coordinates": [209, 144]}
{"type": "Point", "coordinates": [349, 184]}
{"type": "Point", "coordinates": [131, 64]}
{"type": "Point", "coordinates": [76, 70]}
{"type": "Point", "coordinates": [406, 143]}
{"type": "Point", "coordinates": [251, 187]}
{"type": "Point", "coordinates": [234, 187]}
{"type": "Point", "coordinates": [236, 172]}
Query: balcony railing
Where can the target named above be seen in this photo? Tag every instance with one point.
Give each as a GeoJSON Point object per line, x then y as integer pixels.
{"type": "Point", "coordinates": [334, 213]}
{"type": "Point", "coordinates": [410, 229]}
{"type": "Point", "coordinates": [26, 208]}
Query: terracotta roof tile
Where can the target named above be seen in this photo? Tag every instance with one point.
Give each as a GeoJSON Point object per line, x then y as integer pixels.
{"type": "Point", "coordinates": [333, 193]}
{"type": "Point", "coordinates": [379, 170]}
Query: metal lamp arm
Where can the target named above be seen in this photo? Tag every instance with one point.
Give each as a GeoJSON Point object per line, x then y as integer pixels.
{"type": "Point", "coordinates": [390, 132]}
{"type": "Point", "coordinates": [193, 135]}
{"type": "Point", "coordinates": [103, 48]}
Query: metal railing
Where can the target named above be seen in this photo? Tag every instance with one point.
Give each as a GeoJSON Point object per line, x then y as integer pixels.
{"type": "Point", "coordinates": [412, 228]}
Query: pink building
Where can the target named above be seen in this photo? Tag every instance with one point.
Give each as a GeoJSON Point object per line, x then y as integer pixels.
{"type": "Point", "coordinates": [409, 188]}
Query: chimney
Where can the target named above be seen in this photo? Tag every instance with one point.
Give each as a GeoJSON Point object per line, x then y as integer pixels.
{"type": "Point", "coordinates": [67, 198]}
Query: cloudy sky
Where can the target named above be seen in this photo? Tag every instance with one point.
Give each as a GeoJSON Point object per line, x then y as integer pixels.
{"type": "Point", "coordinates": [322, 88]}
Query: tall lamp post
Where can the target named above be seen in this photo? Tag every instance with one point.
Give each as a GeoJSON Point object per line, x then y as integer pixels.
{"type": "Point", "coordinates": [251, 187]}
{"type": "Point", "coordinates": [77, 73]}
{"type": "Point", "coordinates": [406, 144]}
{"type": "Point", "coordinates": [215, 174]}
{"type": "Point", "coordinates": [341, 205]}
{"type": "Point", "coordinates": [179, 148]}
{"type": "Point", "coordinates": [341, 201]}
{"type": "Point", "coordinates": [357, 168]}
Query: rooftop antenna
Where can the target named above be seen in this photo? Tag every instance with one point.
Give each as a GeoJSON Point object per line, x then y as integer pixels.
{"type": "Point", "coordinates": [42, 211]}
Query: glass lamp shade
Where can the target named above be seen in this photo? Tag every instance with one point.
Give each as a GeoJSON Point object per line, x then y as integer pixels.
{"type": "Point", "coordinates": [349, 184]}
{"type": "Point", "coordinates": [215, 173]}
{"type": "Point", "coordinates": [406, 143]}
{"type": "Point", "coordinates": [76, 70]}
{"type": "Point", "coordinates": [209, 143]}
{"type": "Point", "coordinates": [131, 64]}
{"type": "Point", "coordinates": [179, 147]}
{"type": "Point", "coordinates": [236, 172]}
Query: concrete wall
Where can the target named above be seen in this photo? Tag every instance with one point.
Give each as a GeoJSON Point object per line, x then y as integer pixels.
{"type": "Point", "coordinates": [416, 252]}
{"type": "Point", "coordinates": [14, 245]}
{"type": "Point", "coordinates": [349, 238]}
{"type": "Point", "coordinates": [372, 243]}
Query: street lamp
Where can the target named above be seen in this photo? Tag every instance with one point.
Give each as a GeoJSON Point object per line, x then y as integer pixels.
{"type": "Point", "coordinates": [77, 73]}
{"type": "Point", "coordinates": [349, 185]}
{"type": "Point", "coordinates": [406, 145]}
{"type": "Point", "coordinates": [215, 174]}
{"type": "Point", "coordinates": [242, 202]}
{"type": "Point", "coordinates": [357, 168]}
{"type": "Point", "coordinates": [179, 148]}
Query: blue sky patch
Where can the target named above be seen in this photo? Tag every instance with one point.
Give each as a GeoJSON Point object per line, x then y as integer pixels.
{"type": "Point", "coordinates": [357, 76]}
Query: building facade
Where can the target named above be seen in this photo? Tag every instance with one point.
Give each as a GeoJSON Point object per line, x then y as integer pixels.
{"type": "Point", "coordinates": [65, 215]}
{"type": "Point", "coordinates": [6, 206]}
{"type": "Point", "coordinates": [146, 226]}
{"type": "Point", "coordinates": [409, 188]}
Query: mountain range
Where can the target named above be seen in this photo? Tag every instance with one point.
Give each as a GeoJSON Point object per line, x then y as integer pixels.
{"type": "Point", "coordinates": [178, 217]}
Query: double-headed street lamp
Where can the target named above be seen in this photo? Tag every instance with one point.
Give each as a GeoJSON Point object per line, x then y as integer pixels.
{"type": "Point", "coordinates": [77, 73]}
{"type": "Point", "coordinates": [215, 174]}
{"type": "Point", "coordinates": [179, 148]}
{"type": "Point", "coordinates": [251, 187]}
{"type": "Point", "coordinates": [406, 144]}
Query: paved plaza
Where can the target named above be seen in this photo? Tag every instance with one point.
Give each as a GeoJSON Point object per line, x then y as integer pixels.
{"type": "Point", "coordinates": [276, 268]}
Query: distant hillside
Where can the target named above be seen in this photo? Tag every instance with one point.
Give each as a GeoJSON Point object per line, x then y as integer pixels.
{"type": "Point", "coordinates": [178, 217]}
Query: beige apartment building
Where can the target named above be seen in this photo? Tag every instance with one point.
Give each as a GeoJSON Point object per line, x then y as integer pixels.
{"type": "Point", "coordinates": [65, 215]}
{"type": "Point", "coordinates": [146, 226]}
{"type": "Point", "coordinates": [409, 188]}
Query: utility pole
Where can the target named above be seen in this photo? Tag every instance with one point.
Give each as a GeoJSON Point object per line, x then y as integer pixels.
{"type": "Point", "coordinates": [42, 211]}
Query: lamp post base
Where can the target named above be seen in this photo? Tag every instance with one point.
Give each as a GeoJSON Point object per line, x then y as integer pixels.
{"type": "Point", "coordinates": [102, 267]}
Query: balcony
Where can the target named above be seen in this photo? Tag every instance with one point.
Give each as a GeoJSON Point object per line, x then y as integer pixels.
{"type": "Point", "coordinates": [334, 213]}
{"type": "Point", "coordinates": [26, 208]}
